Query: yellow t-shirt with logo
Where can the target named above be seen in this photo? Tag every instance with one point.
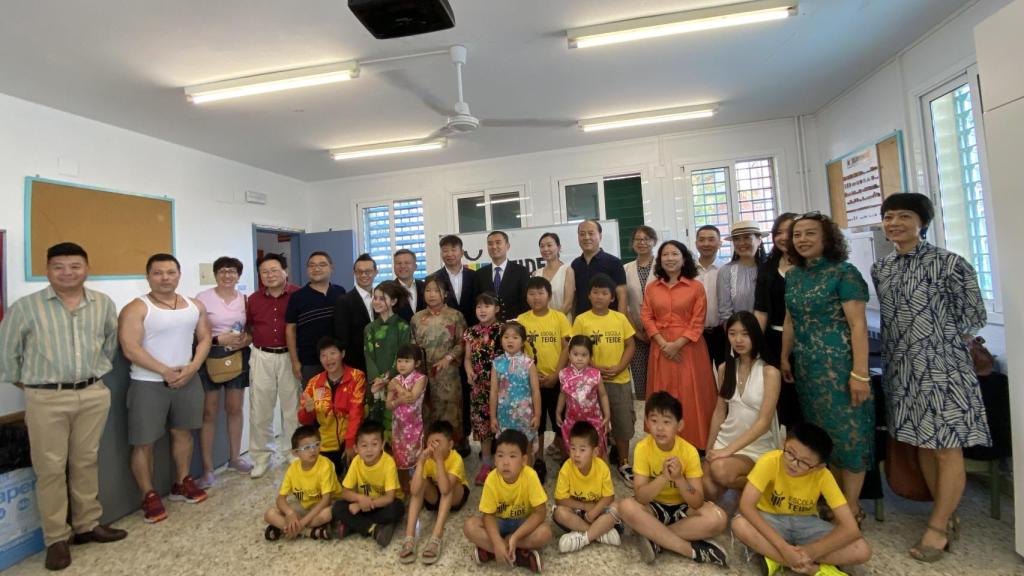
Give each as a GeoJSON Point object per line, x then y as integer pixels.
{"type": "Point", "coordinates": [649, 460]}
{"type": "Point", "coordinates": [609, 334]}
{"type": "Point", "coordinates": [453, 465]}
{"type": "Point", "coordinates": [792, 495]}
{"type": "Point", "coordinates": [545, 336]}
{"type": "Point", "coordinates": [373, 481]}
{"type": "Point", "coordinates": [584, 487]}
{"type": "Point", "coordinates": [309, 486]}
{"type": "Point", "coordinates": [512, 501]}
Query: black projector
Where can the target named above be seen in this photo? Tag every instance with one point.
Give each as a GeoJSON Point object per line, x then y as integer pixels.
{"type": "Point", "coordinates": [398, 18]}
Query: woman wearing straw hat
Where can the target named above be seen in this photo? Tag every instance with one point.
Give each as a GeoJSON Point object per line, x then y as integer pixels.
{"type": "Point", "coordinates": [737, 280]}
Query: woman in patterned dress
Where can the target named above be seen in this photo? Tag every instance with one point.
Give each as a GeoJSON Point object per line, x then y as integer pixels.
{"type": "Point", "coordinates": [515, 388]}
{"type": "Point", "coordinates": [638, 276]}
{"type": "Point", "coordinates": [381, 340]}
{"type": "Point", "coordinates": [826, 331]}
{"type": "Point", "coordinates": [438, 329]}
{"type": "Point", "coordinates": [483, 345]}
{"type": "Point", "coordinates": [582, 394]}
{"type": "Point", "coordinates": [930, 302]}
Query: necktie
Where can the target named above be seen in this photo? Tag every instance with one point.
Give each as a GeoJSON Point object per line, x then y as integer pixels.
{"type": "Point", "coordinates": [497, 279]}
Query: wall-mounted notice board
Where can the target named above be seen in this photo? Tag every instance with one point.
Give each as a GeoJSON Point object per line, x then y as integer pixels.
{"type": "Point", "coordinates": [119, 231]}
{"type": "Point", "coordinates": [854, 178]}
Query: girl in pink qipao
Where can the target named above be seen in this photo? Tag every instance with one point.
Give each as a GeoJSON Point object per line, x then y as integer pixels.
{"type": "Point", "coordinates": [582, 395]}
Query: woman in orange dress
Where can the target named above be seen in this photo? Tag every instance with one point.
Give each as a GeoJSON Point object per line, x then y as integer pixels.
{"type": "Point", "coordinates": [673, 316]}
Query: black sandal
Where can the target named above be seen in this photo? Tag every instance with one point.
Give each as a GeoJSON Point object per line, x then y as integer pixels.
{"type": "Point", "coordinates": [322, 532]}
{"type": "Point", "coordinates": [272, 533]}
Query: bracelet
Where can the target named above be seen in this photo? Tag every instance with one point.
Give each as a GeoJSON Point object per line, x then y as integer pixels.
{"type": "Point", "coordinates": [859, 378]}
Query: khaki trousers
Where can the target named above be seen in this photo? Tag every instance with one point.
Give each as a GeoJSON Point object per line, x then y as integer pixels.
{"type": "Point", "coordinates": [64, 428]}
{"type": "Point", "coordinates": [272, 382]}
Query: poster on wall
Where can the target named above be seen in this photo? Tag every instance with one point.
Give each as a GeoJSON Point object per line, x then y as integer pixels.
{"type": "Point", "coordinates": [862, 188]}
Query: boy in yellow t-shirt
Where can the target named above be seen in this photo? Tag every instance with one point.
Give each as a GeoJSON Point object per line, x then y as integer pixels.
{"type": "Point", "coordinates": [778, 509]}
{"type": "Point", "coordinates": [512, 528]}
{"type": "Point", "coordinates": [438, 483]}
{"type": "Point", "coordinates": [371, 495]}
{"type": "Point", "coordinates": [611, 333]}
{"type": "Point", "coordinates": [547, 339]}
{"type": "Point", "coordinates": [668, 496]}
{"type": "Point", "coordinates": [584, 495]}
{"type": "Point", "coordinates": [311, 479]}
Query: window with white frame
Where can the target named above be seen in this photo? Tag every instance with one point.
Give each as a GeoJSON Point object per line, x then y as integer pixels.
{"type": "Point", "coordinates": [493, 209]}
{"type": "Point", "coordinates": [954, 140]}
{"type": "Point", "coordinates": [391, 226]}
{"type": "Point", "coordinates": [618, 196]}
{"type": "Point", "coordinates": [726, 192]}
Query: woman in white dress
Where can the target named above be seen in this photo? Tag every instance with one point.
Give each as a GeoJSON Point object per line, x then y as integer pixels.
{"type": "Point", "coordinates": [563, 284]}
{"type": "Point", "coordinates": [638, 276]}
{"type": "Point", "coordinates": [744, 425]}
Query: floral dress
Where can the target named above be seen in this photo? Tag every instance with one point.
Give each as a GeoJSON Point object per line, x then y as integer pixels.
{"type": "Point", "coordinates": [381, 340]}
{"type": "Point", "coordinates": [824, 357]}
{"type": "Point", "coordinates": [440, 334]}
{"type": "Point", "coordinates": [407, 434]}
{"type": "Point", "coordinates": [515, 396]}
{"type": "Point", "coordinates": [483, 344]}
{"type": "Point", "coordinates": [582, 400]}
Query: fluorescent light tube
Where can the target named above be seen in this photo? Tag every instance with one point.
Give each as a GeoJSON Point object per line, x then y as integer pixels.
{"type": "Point", "coordinates": [386, 148]}
{"type": "Point", "coordinates": [502, 201]}
{"type": "Point", "coordinates": [680, 22]}
{"type": "Point", "coordinates": [272, 82]}
{"type": "Point", "coordinates": [648, 117]}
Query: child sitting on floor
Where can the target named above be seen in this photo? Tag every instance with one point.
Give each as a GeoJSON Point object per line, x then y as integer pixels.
{"type": "Point", "coordinates": [584, 494]}
{"type": "Point", "coordinates": [371, 503]}
{"type": "Point", "coordinates": [311, 479]}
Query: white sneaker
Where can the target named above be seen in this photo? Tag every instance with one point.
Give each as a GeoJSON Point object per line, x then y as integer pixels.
{"type": "Point", "coordinates": [258, 470]}
{"type": "Point", "coordinates": [572, 542]}
{"type": "Point", "coordinates": [610, 538]}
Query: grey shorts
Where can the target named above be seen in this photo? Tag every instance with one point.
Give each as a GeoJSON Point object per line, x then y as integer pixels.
{"type": "Point", "coordinates": [620, 401]}
{"type": "Point", "coordinates": [153, 408]}
{"type": "Point", "coordinates": [798, 530]}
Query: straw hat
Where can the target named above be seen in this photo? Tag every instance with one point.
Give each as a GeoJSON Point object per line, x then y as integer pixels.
{"type": "Point", "coordinates": [745, 227]}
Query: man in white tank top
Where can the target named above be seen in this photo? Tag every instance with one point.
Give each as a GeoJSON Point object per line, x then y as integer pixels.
{"type": "Point", "coordinates": [156, 332]}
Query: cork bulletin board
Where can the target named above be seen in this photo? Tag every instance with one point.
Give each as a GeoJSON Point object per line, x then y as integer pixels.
{"type": "Point", "coordinates": [889, 151]}
{"type": "Point", "coordinates": [118, 230]}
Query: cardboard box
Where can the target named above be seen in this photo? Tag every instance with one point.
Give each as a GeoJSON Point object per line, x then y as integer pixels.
{"type": "Point", "coordinates": [20, 534]}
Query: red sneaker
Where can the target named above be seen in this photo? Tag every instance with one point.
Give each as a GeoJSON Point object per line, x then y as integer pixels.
{"type": "Point", "coordinates": [480, 555]}
{"type": "Point", "coordinates": [187, 491]}
{"type": "Point", "coordinates": [152, 508]}
{"type": "Point", "coordinates": [529, 559]}
{"type": "Point", "coordinates": [481, 476]}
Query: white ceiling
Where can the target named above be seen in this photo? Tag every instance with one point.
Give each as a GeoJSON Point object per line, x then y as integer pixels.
{"type": "Point", "coordinates": [125, 63]}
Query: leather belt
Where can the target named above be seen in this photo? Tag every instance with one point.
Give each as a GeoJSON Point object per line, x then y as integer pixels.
{"type": "Point", "coordinates": [64, 385]}
{"type": "Point", "coordinates": [273, 349]}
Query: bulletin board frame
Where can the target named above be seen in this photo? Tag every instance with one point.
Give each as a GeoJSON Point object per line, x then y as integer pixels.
{"type": "Point", "coordinates": [892, 165]}
{"type": "Point", "coordinates": [35, 275]}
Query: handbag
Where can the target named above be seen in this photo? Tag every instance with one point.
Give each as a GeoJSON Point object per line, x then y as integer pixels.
{"type": "Point", "coordinates": [224, 369]}
{"type": "Point", "coordinates": [903, 471]}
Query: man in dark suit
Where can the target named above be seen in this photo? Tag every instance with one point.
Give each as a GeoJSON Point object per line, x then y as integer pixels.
{"type": "Point", "coordinates": [353, 311]}
{"type": "Point", "coordinates": [405, 267]}
{"type": "Point", "coordinates": [504, 278]}
{"type": "Point", "coordinates": [459, 280]}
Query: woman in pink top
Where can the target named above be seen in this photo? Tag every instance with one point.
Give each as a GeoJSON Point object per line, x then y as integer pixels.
{"type": "Point", "coordinates": [673, 316]}
{"type": "Point", "coordinates": [225, 309]}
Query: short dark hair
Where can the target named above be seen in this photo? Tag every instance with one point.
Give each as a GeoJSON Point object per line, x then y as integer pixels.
{"type": "Point", "coordinates": [404, 251]}
{"type": "Point", "coordinates": [410, 351]}
{"type": "Point", "coordinates": [832, 237]}
{"type": "Point", "coordinates": [581, 340]}
{"type": "Point", "coordinates": [753, 328]}
{"type": "Point", "coordinates": [370, 427]}
{"type": "Point", "coordinates": [326, 342]}
{"type": "Point", "coordinates": [553, 236]}
{"type": "Point", "coordinates": [499, 233]}
{"type": "Point", "coordinates": [66, 249]}
{"type": "Point", "coordinates": [536, 282]}
{"type": "Point", "coordinates": [513, 325]}
{"type": "Point", "coordinates": [689, 269]}
{"type": "Point", "coordinates": [303, 432]}
{"type": "Point", "coordinates": [320, 253]}
{"type": "Point", "coordinates": [442, 427]}
{"type": "Point", "coordinates": [710, 227]}
{"type": "Point", "coordinates": [663, 403]}
{"type": "Point", "coordinates": [162, 257]}
{"type": "Point", "coordinates": [227, 262]}
{"type": "Point", "coordinates": [599, 230]}
{"type": "Point", "coordinates": [273, 257]}
{"type": "Point", "coordinates": [647, 230]}
{"type": "Point", "coordinates": [816, 439]}
{"type": "Point", "coordinates": [487, 298]}
{"type": "Point", "coordinates": [364, 257]}
{"type": "Point", "coordinates": [451, 240]}
{"type": "Point", "coordinates": [917, 203]}
{"type": "Point", "coordinates": [602, 280]}
{"type": "Point", "coordinates": [512, 437]}
{"type": "Point", "coordinates": [585, 430]}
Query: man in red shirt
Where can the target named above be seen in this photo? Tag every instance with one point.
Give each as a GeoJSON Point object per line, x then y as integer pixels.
{"type": "Point", "coordinates": [271, 367]}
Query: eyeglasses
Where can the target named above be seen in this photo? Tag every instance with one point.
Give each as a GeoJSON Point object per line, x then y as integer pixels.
{"type": "Point", "coordinates": [308, 447]}
{"type": "Point", "coordinates": [643, 240]}
{"type": "Point", "coordinates": [815, 215]}
{"type": "Point", "coordinates": [790, 456]}
{"type": "Point", "coordinates": [228, 271]}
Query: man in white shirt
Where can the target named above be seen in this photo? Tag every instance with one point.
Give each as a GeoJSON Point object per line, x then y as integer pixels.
{"type": "Point", "coordinates": [404, 263]}
{"type": "Point", "coordinates": [709, 242]}
{"type": "Point", "coordinates": [461, 290]}
{"type": "Point", "coordinates": [503, 277]}
{"type": "Point", "coordinates": [353, 311]}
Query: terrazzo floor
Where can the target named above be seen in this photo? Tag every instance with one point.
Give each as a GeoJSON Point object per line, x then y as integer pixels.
{"type": "Point", "coordinates": [224, 535]}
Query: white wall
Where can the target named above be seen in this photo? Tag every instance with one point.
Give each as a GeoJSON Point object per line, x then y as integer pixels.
{"type": "Point", "coordinates": [211, 218]}
{"type": "Point", "coordinates": [658, 159]}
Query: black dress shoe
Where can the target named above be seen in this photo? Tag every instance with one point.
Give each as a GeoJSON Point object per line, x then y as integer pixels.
{"type": "Point", "coordinates": [100, 534]}
{"type": "Point", "coordinates": [58, 556]}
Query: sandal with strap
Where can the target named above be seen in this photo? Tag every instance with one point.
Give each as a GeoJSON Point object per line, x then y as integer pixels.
{"type": "Point", "coordinates": [407, 553]}
{"type": "Point", "coordinates": [322, 532]}
{"type": "Point", "coordinates": [929, 554]}
{"type": "Point", "coordinates": [433, 546]}
{"type": "Point", "coordinates": [953, 527]}
{"type": "Point", "coordinates": [272, 533]}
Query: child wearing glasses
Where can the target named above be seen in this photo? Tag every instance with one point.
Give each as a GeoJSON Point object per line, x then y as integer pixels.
{"type": "Point", "coordinates": [311, 480]}
{"type": "Point", "coordinates": [778, 510]}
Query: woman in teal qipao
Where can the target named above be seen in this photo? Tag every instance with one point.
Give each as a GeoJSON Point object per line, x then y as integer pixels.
{"type": "Point", "coordinates": [381, 340]}
{"type": "Point", "coordinates": [826, 330]}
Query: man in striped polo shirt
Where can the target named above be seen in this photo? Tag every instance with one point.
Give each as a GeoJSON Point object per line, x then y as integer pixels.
{"type": "Point", "coordinates": [57, 344]}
